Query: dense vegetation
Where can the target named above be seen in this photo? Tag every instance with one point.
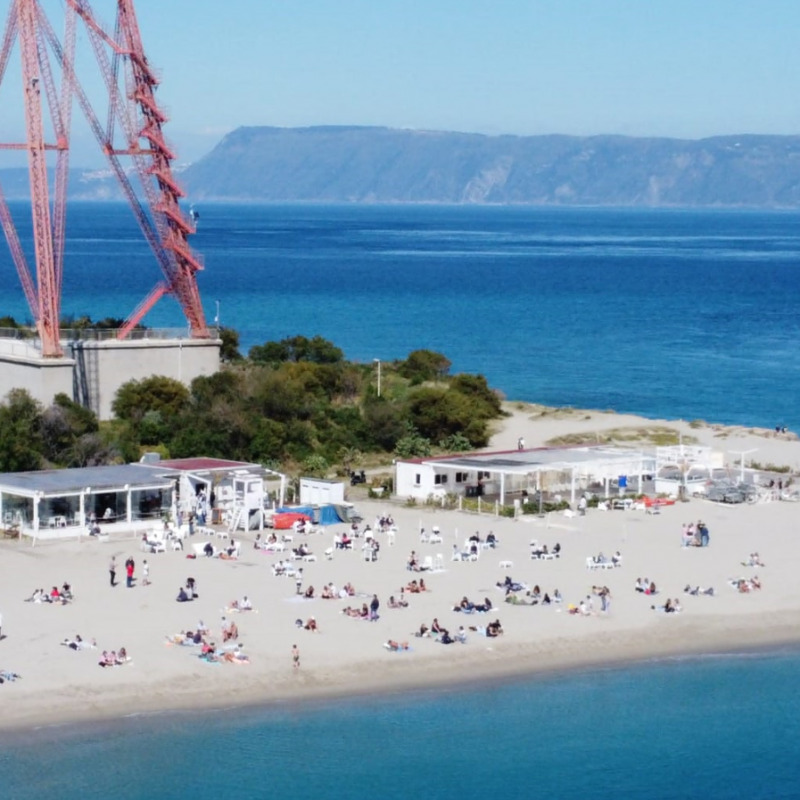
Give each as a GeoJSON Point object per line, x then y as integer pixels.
{"type": "Point", "coordinates": [296, 402]}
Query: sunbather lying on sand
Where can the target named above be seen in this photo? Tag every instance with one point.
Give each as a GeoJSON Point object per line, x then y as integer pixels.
{"type": "Point", "coordinates": [5, 675]}
{"type": "Point", "coordinates": [753, 561]}
{"type": "Point", "coordinates": [698, 590]}
{"type": "Point", "coordinates": [236, 657]}
{"type": "Point", "coordinates": [670, 607]}
{"type": "Point", "coordinates": [188, 638]}
{"type": "Point", "coordinates": [394, 646]}
{"type": "Point", "coordinates": [79, 644]}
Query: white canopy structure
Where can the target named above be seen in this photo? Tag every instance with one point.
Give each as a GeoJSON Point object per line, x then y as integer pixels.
{"type": "Point", "coordinates": [566, 469]}
{"type": "Point", "coordinates": [58, 503]}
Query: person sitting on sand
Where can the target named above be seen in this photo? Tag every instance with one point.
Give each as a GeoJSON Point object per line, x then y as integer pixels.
{"type": "Point", "coordinates": [311, 625]}
{"type": "Point", "coordinates": [492, 540]}
{"type": "Point", "coordinates": [364, 613]}
{"type": "Point", "coordinates": [461, 635]}
{"type": "Point", "coordinates": [413, 587]}
{"type": "Point", "coordinates": [327, 592]}
{"type": "Point", "coordinates": [394, 646]}
{"type": "Point", "coordinates": [208, 550]}
{"type": "Point", "coordinates": [423, 631]}
{"type": "Point", "coordinates": [464, 605]}
{"type": "Point", "coordinates": [422, 586]}
{"type": "Point", "coordinates": [755, 582]}
{"type": "Point", "coordinates": [436, 627]}
{"type": "Point", "coordinates": [494, 629]}
{"type": "Point", "coordinates": [394, 604]}
{"type": "Point", "coordinates": [183, 597]}
{"type": "Point", "coordinates": [309, 593]}
{"type": "Point", "coordinates": [230, 631]}
{"type": "Point", "coordinates": [107, 659]}
{"type": "Point", "coordinates": [413, 563]}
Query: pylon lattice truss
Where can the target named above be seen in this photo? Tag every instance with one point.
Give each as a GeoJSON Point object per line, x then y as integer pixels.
{"type": "Point", "coordinates": [132, 130]}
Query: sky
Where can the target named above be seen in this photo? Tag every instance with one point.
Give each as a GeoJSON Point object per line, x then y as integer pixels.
{"type": "Point", "coordinates": [676, 68]}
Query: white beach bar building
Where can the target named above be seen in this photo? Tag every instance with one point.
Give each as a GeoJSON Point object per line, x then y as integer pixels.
{"type": "Point", "coordinates": [57, 503]}
{"type": "Point", "coordinates": [567, 470]}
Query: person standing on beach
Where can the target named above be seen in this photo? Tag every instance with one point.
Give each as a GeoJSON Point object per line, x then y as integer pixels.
{"type": "Point", "coordinates": [295, 657]}
{"type": "Point", "coordinates": [112, 570]}
{"type": "Point", "coordinates": [129, 568]}
{"type": "Point", "coordinates": [520, 443]}
{"type": "Point", "coordinates": [145, 573]}
{"type": "Point", "coordinates": [374, 605]}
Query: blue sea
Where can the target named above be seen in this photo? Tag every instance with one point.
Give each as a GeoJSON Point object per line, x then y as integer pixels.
{"type": "Point", "coordinates": [714, 727]}
{"type": "Point", "coordinates": [665, 313]}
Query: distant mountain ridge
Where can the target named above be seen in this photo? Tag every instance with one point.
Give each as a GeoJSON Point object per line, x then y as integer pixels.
{"type": "Point", "coordinates": [352, 164]}
{"type": "Point", "coordinates": [385, 165]}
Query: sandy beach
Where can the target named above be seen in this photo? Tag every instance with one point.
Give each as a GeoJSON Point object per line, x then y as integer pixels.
{"type": "Point", "coordinates": [347, 655]}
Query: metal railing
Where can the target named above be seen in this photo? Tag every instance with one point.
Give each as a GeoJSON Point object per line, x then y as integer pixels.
{"type": "Point", "coordinates": [29, 337]}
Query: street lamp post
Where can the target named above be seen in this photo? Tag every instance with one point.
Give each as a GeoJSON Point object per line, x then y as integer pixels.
{"type": "Point", "coordinates": [378, 362]}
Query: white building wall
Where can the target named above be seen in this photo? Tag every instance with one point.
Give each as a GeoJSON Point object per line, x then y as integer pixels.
{"type": "Point", "coordinates": [317, 492]}
{"type": "Point", "coordinates": [406, 483]}
{"type": "Point", "coordinates": [42, 378]}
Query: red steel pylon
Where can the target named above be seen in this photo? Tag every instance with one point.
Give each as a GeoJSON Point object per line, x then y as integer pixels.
{"type": "Point", "coordinates": [133, 129]}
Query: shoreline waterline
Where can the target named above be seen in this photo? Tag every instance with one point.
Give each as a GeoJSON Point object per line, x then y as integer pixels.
{"type": "Point", "coordinates": [762, 642]}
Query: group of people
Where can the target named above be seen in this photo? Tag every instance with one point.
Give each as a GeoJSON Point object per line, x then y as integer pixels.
{"type": "Point", "coordinates": [367, 612]}
{"type": "Point", "coordinates": [55, 595]}
{"type": "Point", "coordinates": [670, 607]}
{"type": "Point", "coordinates": [543, 552]}
{"type": "Point", "coordinates": [466, 606]}
{"type": "Point", "coordinates": [534, 597]}
{"type": "Point", "coordinates": [745, 585]}
{"type": "Point", "coordinates": [187, 593]}
{"type": "Point", "coordinates": [695, 534]}
{"type": "Point", "coordinates": [645, 586]}
{"type": "Point", "coordinates": [114, 658]}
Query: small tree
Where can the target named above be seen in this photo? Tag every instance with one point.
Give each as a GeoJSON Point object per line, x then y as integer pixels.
{"type": "Point", "coordinates": [316, 466]}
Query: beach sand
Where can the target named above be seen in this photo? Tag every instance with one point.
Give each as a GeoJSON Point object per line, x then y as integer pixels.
{"type": "Point", "coordinates": [347, 655]}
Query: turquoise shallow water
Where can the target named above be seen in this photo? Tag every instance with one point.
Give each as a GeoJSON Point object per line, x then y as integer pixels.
{"type": "Point", "coordinates": [715, 727]}
{"type": "Point", "coordinates": [664, 313]}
